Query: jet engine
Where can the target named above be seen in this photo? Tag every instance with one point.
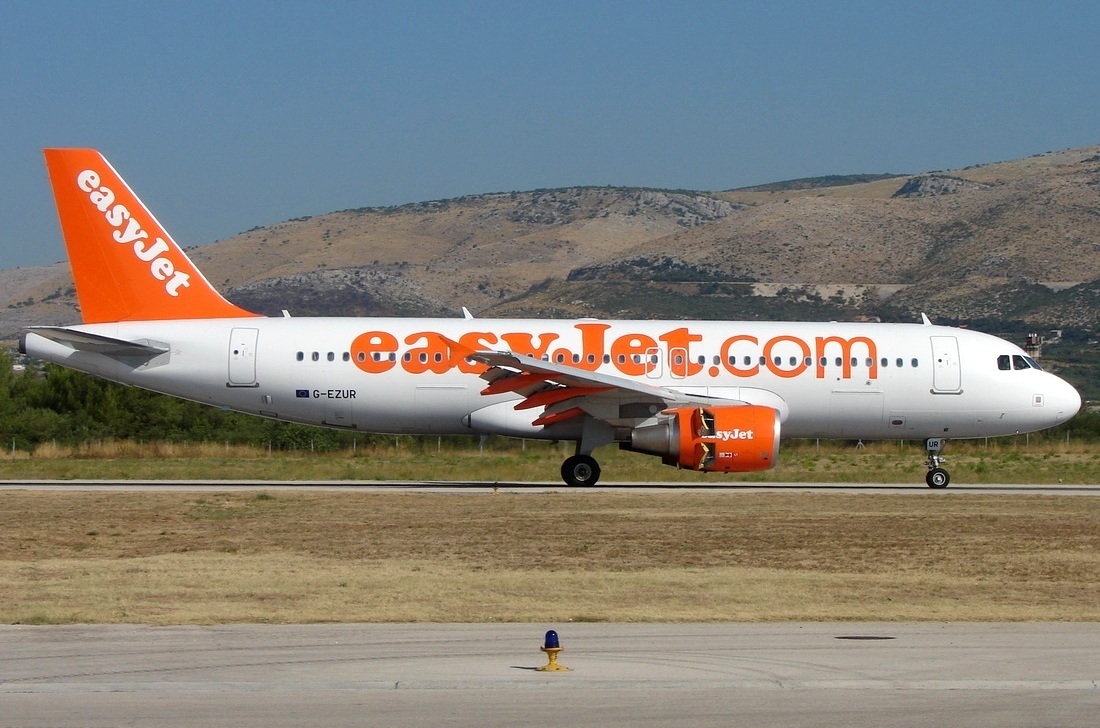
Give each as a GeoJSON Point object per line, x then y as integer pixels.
{"type": "Point", "coordinates": [727, 439]}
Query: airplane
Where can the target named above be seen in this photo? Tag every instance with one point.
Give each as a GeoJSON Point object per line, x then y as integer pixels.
{"type": "Point", "coordinates": [714, 396]}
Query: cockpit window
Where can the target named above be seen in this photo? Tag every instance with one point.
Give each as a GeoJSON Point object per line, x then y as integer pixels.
{"type": "Point", "coordinates": [1016, 361]}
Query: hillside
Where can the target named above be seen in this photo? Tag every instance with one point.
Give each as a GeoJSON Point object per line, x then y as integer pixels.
{"type": "Point", "coordinates": [1016, 241]}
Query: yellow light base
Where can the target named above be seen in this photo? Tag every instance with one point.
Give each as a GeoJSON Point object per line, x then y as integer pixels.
{"type": "Point", "coordinates": [552, 666]}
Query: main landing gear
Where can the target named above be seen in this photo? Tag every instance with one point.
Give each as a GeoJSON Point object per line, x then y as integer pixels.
{"type": "Point", "coordinates": [580, 470]}
{"type": "Point", "coordinates": [937, 477]}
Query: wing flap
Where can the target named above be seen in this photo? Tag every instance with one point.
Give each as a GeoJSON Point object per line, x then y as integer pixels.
{"type": "Point", "coordinates": [548, 397]}
{"type": "Point", "coordinates": [565, 392]}
{"type": "Point", "coordinates": [563, 374]}
{"type": "Point", "coordinates": [552, 418]}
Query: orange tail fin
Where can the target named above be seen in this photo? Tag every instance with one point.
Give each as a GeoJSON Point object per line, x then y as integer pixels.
{"type": "Point", "coordinates": [125, 264]}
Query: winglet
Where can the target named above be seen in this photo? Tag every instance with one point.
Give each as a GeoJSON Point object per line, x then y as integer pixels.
{"type": "Point", "coordinates": [125, 264]}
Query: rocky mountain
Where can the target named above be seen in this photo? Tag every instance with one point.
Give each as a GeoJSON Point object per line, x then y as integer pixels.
{"type": "Point", "coordinates": [1015, 241]}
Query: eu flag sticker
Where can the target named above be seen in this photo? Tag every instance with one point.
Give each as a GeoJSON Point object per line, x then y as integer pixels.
{"type": "Point", "coordinates": [301, 393]}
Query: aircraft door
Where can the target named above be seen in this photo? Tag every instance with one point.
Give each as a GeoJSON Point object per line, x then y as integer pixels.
{"type": "Point", "coordinates": [242, 357]}
{"type": "Point", "coordinates": [946, 368]}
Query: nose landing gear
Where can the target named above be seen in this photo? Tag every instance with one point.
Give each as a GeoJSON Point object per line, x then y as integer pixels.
{"type": "Point", "coordinates": [937, 477]}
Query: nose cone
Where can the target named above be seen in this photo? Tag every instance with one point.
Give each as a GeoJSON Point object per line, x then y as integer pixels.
{"type": "Point", "coordinates": [1063, 400]}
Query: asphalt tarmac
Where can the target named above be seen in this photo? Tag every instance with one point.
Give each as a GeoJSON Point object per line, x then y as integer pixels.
{"type": "Point", "coordinates": [842, 674]}
{"type": "Point", "coordinates": [544, 487]}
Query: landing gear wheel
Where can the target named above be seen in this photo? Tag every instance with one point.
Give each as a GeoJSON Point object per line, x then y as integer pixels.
{"type": "Point", "coordinates": [937, 478]}
{"type": "Point", "coordinates": [580, 470]}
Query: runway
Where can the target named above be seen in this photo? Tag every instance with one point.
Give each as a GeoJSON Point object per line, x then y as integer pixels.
{"type": "Point", "coordinates": [842, 674]}
{"type": "Point", "coordinates": [784, 674]}
{"type": "Point", "coordinates": [542, 487]}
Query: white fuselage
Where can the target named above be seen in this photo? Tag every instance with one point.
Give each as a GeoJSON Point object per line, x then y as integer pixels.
{"type": "Point", "coordinates": [398, 375]}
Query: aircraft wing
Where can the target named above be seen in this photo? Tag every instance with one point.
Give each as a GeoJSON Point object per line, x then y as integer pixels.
{"type": "Point", "coordinates": [109, 346]}
{"type": "Point", "coordinates": [569, 391]}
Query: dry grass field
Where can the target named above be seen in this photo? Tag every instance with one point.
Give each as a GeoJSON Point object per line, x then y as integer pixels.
{"type": "Point", "coordinates": [180, 558]}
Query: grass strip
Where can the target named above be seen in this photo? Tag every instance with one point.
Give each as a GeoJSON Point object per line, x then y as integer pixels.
{"type": "Point", "coordinates": [456, 459]}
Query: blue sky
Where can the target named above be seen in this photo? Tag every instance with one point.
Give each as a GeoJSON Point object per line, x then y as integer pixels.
{"type": "Point", "coordinates": [228, 115]}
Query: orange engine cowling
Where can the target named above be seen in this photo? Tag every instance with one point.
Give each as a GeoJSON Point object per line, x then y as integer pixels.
{"type": "Point", "coordinates": [730, 439]}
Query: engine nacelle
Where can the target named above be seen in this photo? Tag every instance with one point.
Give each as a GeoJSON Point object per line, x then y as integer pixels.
{"type": "Point", "coordinates": [728, 439]}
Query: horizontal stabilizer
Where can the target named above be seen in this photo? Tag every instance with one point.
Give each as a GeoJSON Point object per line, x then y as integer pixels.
{"type": "Point", "coordinates": [99, 344]}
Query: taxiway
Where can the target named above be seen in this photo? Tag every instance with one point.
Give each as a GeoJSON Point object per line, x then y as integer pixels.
{"type": "Point", "coordinates": [843, 674]}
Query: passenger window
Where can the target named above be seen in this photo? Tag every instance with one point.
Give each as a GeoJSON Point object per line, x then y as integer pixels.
{"type": "Point", "coordinates": [315, 356]}
{"type": "Point", "coordinates": [332, 356]}
{"type": "Point", "coordinates": [1004, 363]}
{"type": "Point", "coordinates": [884, 362]}
{"type": "Point", "coordinates": [900, 362]}
{"type": "Point", "coordinates": [301, 356]}
{"type": "Point", "coordinates": [839, 361]}
{"type": "Point", "coordinates": [748, 360]}
{"type": "Point", "coordinates": [913, 362]}
{"type": "Point", "coordinates": [823, 362]}
{"type": "Point", "coordinates": [346, 356]}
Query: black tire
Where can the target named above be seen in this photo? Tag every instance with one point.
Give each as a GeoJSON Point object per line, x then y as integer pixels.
{"type": "Point", "coordinates": [580, 470]}
{"type": "Point", "coordinates": [937, 478]}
